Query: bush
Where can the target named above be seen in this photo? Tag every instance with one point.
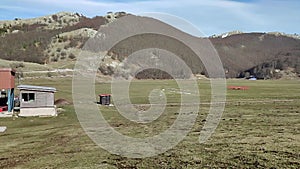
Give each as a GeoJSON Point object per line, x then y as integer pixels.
{"type": "Point", "coordinates": [17, 65]}
{"type": "Point", "coordinates": [55, 17]}
{"type": "Point", "coordinates": [63, 53]}
{"type": "Point", "coordinates": [72, 56]}
{"type": "Point", "coordinates": [49, 74]}
{"type": "Point", "coordinates": [54, 59]}
{"type": "Point", "coordinates": [2, 31]}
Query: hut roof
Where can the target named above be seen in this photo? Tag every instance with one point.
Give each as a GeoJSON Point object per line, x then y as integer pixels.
{"type": "Point", "coordinates": [36, 88]}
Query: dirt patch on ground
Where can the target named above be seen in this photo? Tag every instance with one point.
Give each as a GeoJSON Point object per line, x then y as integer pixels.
{"type": "Point", "coordinates": [61, 102]}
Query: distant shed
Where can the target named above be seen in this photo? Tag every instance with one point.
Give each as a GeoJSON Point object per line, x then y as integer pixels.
{"type": "Point", "coordinates": [37, 101]}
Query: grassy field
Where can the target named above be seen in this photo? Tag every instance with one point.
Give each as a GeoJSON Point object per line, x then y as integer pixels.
{"type": "Point", "coordinates": [260, 128]}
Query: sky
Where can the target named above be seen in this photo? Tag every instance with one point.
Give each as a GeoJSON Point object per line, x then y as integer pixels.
{"type": "Point", "coordinates": [209, 16]}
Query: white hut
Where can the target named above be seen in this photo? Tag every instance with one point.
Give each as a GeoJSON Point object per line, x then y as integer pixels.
{"type": "Point", "coordinates": [37, 101]}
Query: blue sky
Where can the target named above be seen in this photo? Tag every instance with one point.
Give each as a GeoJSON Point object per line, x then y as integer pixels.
{"type": "Point", "coordinates": [209, 16]}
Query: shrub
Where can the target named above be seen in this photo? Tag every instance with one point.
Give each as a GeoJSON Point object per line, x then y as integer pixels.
{"type": "Point", "coordinates": [16, 65]}
{"type": "Point", "coordinates": [72, 56]}
{"type": "Point", "coordinates": [55, 17]}
{"type": "Point", "coordinates": [63, 53]}
{"type": "Point", "coordinates": [49, 74]}
{"type": "Point", "coordinates": [63, 57]}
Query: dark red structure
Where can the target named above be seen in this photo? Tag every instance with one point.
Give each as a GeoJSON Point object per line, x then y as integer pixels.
{"type": "Point", "coordinates": [7, 78]}
{"type": "Point", "coordinates": [7, 86]}
{"type": "Point", "coordinates": [238, 87]}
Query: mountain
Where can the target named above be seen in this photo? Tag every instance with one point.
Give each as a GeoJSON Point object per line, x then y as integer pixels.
{"type": "Point", "coordinates": [59, 38]}
{"type": "Point", "coordinates": [263, 55]}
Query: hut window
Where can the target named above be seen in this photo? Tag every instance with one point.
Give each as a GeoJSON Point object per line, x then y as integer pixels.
{"type": "Point", "coordinates": [28, 97]}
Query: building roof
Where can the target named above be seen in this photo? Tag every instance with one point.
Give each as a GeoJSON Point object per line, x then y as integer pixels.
{"type": "Point", "coordinates": [7, 70]}
{"type": "Point", "coordinates": [36, 88]}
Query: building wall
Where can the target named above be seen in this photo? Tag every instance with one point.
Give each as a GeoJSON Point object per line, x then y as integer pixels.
{"type": "Point", "coordinates": [44, 111]}
{"type": "Point", "coordinates": [7, 79]}
{"type": "Point", "coordinates": [42, 99]}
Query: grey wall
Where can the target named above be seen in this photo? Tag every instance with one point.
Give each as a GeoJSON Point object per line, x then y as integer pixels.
{"type": "Point", "coordinates": [42, 99]}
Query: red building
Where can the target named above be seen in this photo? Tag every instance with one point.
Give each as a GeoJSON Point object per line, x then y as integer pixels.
{"type": "Point", "coordinates": [7, 85]}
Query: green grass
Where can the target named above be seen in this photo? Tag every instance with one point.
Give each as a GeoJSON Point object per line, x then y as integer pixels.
{"type": "Point", "coordinates": [27, 66]}
{"type": "Point", "coordinates": [62, 65]}
{"type": "Point", "coordinates": [259, 129]}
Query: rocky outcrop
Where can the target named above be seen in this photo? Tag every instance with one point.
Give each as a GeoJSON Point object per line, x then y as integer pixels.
{"type": "Point", "coordinates": [55, 21]}
{"type": "Point", "coordinates": [111, 16]}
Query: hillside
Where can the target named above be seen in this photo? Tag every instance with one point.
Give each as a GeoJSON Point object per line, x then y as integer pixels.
{"type": "Point", "coordinates": [58, 38]}
{"type": "Point", "coordinates": [261, 54]}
